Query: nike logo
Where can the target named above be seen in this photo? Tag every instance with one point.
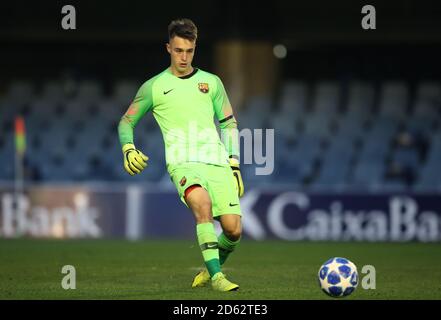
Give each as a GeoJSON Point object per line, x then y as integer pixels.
{"type": "Point", "coordinates": [209, 246]}
{"type": "Point", "coordinates": [165, 92]}
{"type": "Point", "coordinates": [232, 205]}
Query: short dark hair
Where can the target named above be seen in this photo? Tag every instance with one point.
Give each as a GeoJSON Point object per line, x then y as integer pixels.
{"type": "Point", "coordinates": [183, 28]}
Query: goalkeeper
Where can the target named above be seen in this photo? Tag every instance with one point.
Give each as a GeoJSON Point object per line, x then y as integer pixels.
{"type": "Point", "coordinates": [205, 170]}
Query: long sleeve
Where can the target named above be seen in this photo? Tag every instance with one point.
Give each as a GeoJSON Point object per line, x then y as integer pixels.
{"type": "Point", "coordinates": [227, 121]}
{"type": "Point", "coordinates": [142, 103]}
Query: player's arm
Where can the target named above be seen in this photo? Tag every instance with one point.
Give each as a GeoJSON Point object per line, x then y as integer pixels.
{"type": "Point", "coordinates": [229, 131]}
{"type": "Point", "coordinates": [134, 160]}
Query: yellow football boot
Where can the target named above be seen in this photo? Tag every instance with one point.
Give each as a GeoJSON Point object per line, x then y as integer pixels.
{"type": "Point", "coordinates": [220, 283]}
{"type": "Point", "coordinates": [201, 279]}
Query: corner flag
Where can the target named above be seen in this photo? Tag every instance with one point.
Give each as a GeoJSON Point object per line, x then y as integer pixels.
{"type": "Point", "coordinates": [20, 136]}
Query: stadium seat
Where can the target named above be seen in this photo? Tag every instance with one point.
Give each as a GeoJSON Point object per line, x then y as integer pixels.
{"type": "Point", "coordinates": [308, 148]}
{"type": "Point", "coordinates": [350, 126]}
{"type": "Point", "coordinates": [429, 91]}
{"type": "Point", "coordinates": [89, 91]}
{"type": "Point", "coordinates": [407, 157]}
{"type": "Point", "coordinates": [326, 98]}
{"type": "Point", "coordinates": [255, 114]}
{"type": "Point", "coordinates": [124, 92]}
{"type": "Point", "coordinates": [367, 175]}
{"type": "Point", "coordinates": [383, 128]}
{"type": "Point", "coordinates": [333, 175]}
{"type": "Point", "coordinates": [284, 125]}
{"type": "Point", "coordinates": [393, 186]}
{"type": "Point", "coordinates": [429, 178]}
{"type": "Point", "coordinates": [361, 97]}
{"type": "Point", "coordinates": [54, 91]}
{"type": "Point", "coordinates": [318, 125]}
{"type": "Point", "coordinates": [394, 100]}
{"type": "Point", "coordinates": [21, 91]}
{"type": "Point", "coordinates": [111, 111]}
{"type": "Point", "coordinates": [293, 98]}
{"type": "Point", "coordinates": [8, 111]}
{"type": "Point", "coordinates": [291, 173]}
{"type": "Point", "coordinates": [426, 111]}
{"type": "Point", "coordinates": [7, 156]}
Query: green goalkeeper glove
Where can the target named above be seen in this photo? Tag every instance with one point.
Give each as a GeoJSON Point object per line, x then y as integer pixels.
{"type": "Point", "coordinates": [234, 164]}
{"type": "Point", "coordinates": [134, 160]}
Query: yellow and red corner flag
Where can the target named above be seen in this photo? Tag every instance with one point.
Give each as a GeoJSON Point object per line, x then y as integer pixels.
{"type": "Point", "coordinates": [20, 135]}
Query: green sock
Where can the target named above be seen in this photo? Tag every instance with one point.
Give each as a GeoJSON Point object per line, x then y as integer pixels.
{"type": "Point", "coordinates": [208, 243]}
{"type": "Point", "coordinates": [226, 246]}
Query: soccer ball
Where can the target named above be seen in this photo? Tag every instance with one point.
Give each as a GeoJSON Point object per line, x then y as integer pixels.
{"type": "Point", "coordinates": [338, 277]}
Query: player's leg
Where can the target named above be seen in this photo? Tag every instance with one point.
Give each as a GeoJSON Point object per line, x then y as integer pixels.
{"type": "Point", "coordinates": [230, 237]}
{"type": "Point", "coordinates": [227, 210]}
{"type": "Point", "coordinates": [192, 188]}
{"type": "Point", "coordinates": [198, 200]}
{"type": "Point", "coordinates": [227, 242]}
{"type": "Point", "coordinates": [225, 201]}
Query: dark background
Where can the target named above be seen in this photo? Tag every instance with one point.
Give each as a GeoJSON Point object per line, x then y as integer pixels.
{"type": "Point", "coordinates": [123, 38]}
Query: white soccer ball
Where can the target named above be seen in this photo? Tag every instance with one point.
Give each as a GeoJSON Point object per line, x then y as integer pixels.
{"type": "Point", "coordinates": [338, 277]}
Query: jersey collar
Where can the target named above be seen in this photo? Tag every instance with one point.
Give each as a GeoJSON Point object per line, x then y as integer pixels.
{"type": "Point", "coordinates": [188, 76]}
{"type": "Point", "coordinates": [184, 77]}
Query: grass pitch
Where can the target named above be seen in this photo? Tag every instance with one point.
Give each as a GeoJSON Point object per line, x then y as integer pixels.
{"type": "Point", "coordinates": [31, 269]}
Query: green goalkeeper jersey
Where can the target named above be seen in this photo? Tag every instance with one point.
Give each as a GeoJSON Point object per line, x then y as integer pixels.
{"type": "Point", "coordinates": [185, 109]}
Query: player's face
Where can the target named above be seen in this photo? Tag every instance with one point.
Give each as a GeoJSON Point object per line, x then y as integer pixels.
{"type": "Point", "coordinates": [181, 53]}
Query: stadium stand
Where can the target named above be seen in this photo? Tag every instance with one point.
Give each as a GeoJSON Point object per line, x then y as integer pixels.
{"type": "Point", "coordinates": [362, 136]}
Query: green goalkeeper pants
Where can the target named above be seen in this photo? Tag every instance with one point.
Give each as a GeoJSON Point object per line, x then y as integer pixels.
{"type": "Point", "coordinates": [218, 180]}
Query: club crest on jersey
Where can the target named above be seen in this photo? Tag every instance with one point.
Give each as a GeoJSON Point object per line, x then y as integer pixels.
{"type": "Point", "coordinates": [183, 181]}
{"type": "Point", "coordinates": [203, 87]}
